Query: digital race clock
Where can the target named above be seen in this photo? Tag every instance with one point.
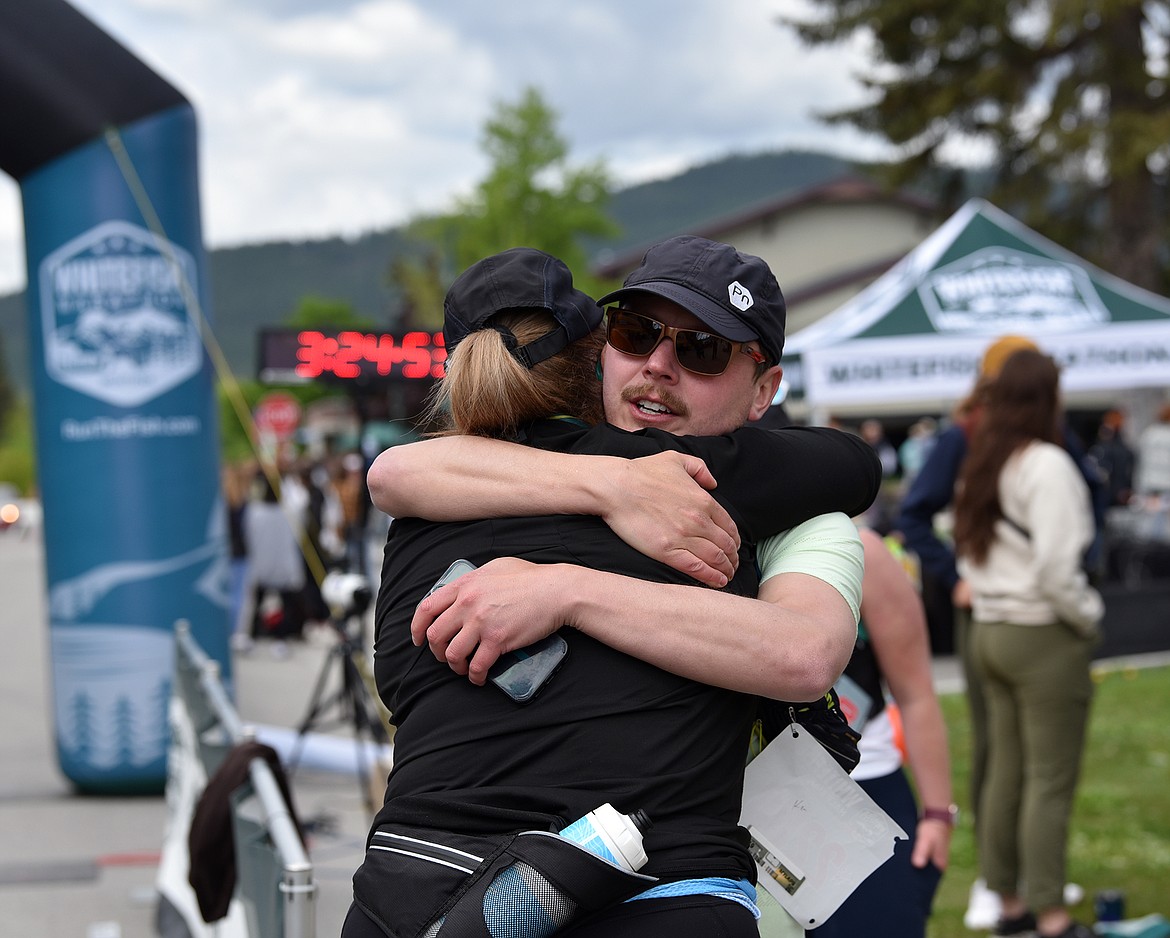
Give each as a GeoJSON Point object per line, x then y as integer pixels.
{"type": "Point", "coordinates": [293, 356]}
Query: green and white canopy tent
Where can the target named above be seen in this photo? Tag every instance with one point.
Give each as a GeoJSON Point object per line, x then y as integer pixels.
{"type": "Point", "coordinates": [913, 338]}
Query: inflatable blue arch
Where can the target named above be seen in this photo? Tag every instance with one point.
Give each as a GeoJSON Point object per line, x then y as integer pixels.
{"type": "Point", "coordinates": [104, 152]}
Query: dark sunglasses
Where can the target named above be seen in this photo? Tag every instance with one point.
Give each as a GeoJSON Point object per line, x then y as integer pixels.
{"type": "Point", "coordinates": [702, 353]}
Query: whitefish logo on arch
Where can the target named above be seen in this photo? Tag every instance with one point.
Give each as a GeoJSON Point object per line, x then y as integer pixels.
{"type": "Point", "coordinates": [114, 314]}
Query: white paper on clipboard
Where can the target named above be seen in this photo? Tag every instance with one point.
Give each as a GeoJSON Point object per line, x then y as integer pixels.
{"type": "Point", "coordinates": [815, 833]}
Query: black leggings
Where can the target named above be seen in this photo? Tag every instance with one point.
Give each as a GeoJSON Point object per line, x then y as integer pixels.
{"type": "Point", "coordinates": [671, 917]}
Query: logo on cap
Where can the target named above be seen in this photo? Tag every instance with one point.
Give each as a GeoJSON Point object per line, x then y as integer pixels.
{"type": "Point", "coordinates": [739, 295]}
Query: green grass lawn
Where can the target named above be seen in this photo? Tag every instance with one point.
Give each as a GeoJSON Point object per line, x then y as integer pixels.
{"type": "Point", "coordinates": [1120, 834]}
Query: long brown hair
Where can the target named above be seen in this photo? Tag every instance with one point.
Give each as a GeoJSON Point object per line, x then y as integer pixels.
{"type": "Point", "coordinates": [1022, 405]}
{"type": "Point", "coordinates": [487, 392]}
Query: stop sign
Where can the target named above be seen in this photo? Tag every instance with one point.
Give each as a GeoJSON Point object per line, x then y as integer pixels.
{"type": "Point", "coordinates": [278, 413]}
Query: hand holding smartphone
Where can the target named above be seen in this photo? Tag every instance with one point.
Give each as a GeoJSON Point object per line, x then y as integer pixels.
{"type": "Point", "coordinates": [521, 673]}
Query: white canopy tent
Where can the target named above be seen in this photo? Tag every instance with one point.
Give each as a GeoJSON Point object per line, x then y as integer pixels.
{"type": "Point", "coordinates": [913, 338]}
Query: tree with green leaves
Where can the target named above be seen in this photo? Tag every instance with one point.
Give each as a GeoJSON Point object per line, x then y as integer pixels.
{"type": "Point", "coordinates": [319, 312]}
{"type": "Point", "coordinates": [531, 197]}
{"type": "Point", "coordinates": [1068, 96]}
{"type": "Point", "coordinates": [7, 397]}
{"type": "Point", "coordinates": [17, 457]}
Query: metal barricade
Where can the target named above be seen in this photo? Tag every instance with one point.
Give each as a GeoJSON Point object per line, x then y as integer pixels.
{"type": "Point", "coordinates": [274, 877]}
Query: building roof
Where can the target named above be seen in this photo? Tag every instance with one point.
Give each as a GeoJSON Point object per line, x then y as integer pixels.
{"type": "Point", "coordinates": [844, 189]}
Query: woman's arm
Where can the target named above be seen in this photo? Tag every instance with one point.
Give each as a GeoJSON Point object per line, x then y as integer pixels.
{"type": "Point", "coordinates": [657, 504]}
{"type": "Point", "coordinates": [1057, 515]}
{"type": "Point", "coordinates": [773, 480]}
{"type": "Point", "coordinates": [896, 622]}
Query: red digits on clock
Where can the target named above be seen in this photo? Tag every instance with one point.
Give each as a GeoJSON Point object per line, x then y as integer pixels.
{"type": "Point", "coordinates": [312, 360]}
{"type": "Point", "coordinates": [384, 353]}
{"type": "Point", "coordinates": [416, 355]}
{"type": "Point", "coordinates": [439, 357]}
{"type": "Point", "coordinates": [350, 351]}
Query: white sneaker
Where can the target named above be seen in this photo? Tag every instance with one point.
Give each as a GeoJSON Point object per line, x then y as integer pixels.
{"type": "Point", "coordinates": [983, 907]}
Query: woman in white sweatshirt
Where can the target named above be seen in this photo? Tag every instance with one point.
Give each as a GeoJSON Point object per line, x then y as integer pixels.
{"type": "Point", "coordinates": [1022, 524]}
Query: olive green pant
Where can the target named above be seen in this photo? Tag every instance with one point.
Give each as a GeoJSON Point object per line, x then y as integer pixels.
{"type": "Point", "coordinates": [976, 712]}
{"type": "Point", "coordinates": [1037, 689]}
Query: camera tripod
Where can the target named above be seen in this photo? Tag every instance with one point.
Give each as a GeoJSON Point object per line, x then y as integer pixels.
{"type": "Point", "coordinates": [350, 703]}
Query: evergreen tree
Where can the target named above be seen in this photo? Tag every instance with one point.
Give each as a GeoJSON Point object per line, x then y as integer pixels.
{"type": "Point", "coordinates": [124, 732]}
{"type": "Point", "coordinates": [81, 713]}
{"type": "Point", "coordinates": [1070, 97]}
{"type": "Point", "coordinates": [157, 735]}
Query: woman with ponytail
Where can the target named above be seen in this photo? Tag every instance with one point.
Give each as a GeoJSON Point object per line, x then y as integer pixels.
{"type": "Point", "coordinates": [1023, 520]}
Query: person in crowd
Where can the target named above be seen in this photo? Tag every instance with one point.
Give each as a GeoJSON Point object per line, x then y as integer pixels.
{"type": "Point", "coordinates": [874, 434]}
{"type": "Point", "coordinates": [355, 507]}
{"type": "Point", "coordinates": [892, 654]}
{"type": "Point", "coordinates": [653, 704]}
{"type": "Point", "coordinates": [1153, 456]}
{"type": "Point", "coordinates": [236, 483]}
{"type": "Point", "coordinates": [933, 491]}
{"type": "Point", "coordinates": [277, 568]}
{"type": "Point", "coordinates": [1023, 520]}
{"type": "Point", "coordinates": [916, 447]}
{"type": "Point", "coordinates": [312, 498]}
{"type": "Point", "coordinates": [1113, 458]}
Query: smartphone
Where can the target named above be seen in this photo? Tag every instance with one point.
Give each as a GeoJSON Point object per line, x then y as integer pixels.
{"type": "Point", "coordinates": [521, 673]}
{"type": "Point", "coordinates": [454, 572]}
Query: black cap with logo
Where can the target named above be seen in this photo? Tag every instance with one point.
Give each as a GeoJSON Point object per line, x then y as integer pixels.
{"type": "Point", "coordinates": [735, 294]}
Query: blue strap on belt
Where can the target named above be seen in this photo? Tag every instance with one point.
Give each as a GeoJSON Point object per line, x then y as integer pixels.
{"type": "Point", "coordinates": [737, 890]}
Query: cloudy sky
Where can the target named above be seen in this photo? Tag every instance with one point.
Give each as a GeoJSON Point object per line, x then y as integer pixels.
{"type": "Point", "coordinates": [336, 117]}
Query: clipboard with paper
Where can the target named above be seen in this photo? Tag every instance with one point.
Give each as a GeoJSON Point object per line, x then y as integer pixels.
{"type": "Point", "coordinates": [815, 834]}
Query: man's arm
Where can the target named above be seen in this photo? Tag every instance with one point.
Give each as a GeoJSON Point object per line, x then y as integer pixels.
{"type": "Point", "coordinates": [657, 504]}
{"type": "Point", "coordinates": [790, 644]}
{"type": "Point", "coordinates": [463, 478]}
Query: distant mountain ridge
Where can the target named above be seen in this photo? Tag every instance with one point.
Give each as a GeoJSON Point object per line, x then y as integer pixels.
{"type": "Point", "coordinates": [254, 286]}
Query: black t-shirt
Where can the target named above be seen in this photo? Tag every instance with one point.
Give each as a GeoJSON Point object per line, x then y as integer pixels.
{"type": "Point", "coordinates": [607, 727]}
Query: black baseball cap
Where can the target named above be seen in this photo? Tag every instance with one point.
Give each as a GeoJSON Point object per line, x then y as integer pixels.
{"type": "Point", "coordinates": [736, 294]}
{"type": "Point", "coordinates": [520, 279]}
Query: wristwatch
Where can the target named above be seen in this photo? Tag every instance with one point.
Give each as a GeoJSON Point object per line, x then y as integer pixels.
{"type": "Point", "coordinates": [948, 815]}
